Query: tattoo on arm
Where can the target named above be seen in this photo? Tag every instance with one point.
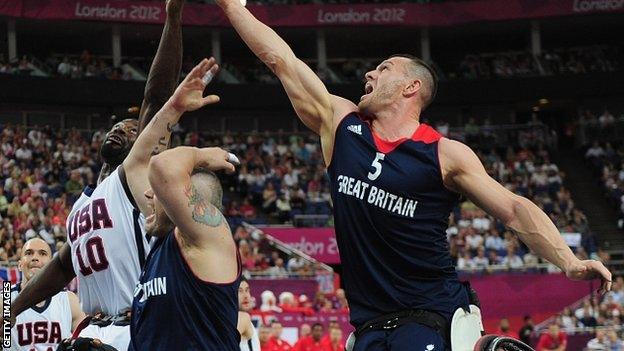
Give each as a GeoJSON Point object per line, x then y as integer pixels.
{"type": "Point", "coordinates": [203, 212]}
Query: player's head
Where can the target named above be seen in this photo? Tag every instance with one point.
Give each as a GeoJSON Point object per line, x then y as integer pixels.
{"type": "Point", "coordinates": [244, 296]}
{"type": "Point", "coordinates": [317, 331]}
{"type": "Point", "coordinates": [398, 78]}
{"type": "Point", "coordinates": [36, 253]}
{"type": "Point", "coordinates": [205, 193]}
{"type": "Point", "coordinates": [119, 141]}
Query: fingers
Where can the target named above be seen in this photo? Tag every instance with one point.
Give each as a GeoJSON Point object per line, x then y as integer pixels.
{"type": "Point", "coordinates": [211, 73]}
{"type": "Point", "coordinates": [204, 66]}
{"type": "Point", "coordinates": [605, 275]}
{"type": "Point", "coordinates": [210, 99]}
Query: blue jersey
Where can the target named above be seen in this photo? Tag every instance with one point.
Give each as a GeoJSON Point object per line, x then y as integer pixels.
{"type": "Point", "coordinates": [391, 214]}
{"type": "Point", "coordinates": [175, 310]}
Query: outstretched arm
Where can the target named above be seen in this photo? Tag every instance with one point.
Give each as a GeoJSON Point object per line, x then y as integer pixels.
{"type": "Point", "coordinates": [164, 73]}
{"type": "Point", "coordinates": [46, 283]}
{"type": "Point", "coordinates": [315, 106]}
{"type": "Point", "coordinates": [155, 137]}
{"type": "Point", "coordinates": [463, 172]}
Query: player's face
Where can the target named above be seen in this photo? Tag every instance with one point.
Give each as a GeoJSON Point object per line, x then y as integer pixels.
{"type": "Point", "coordinates": [244, 297]}
{"type": "Point", "coordinates": [35, 255]}
{"type": "Point", "coordinates": [383, 85]}
{"type": "Point", "coordinates": [119, 140]}
{"type": "Point", "coordinates": [157, 223]}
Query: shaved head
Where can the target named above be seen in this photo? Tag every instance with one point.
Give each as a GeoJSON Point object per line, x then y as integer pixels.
{"type": "Point", "coordinates": [417, 69]}
{"type": "Point", "coordinates": [208, 186]}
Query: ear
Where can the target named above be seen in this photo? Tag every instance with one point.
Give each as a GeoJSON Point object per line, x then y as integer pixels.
{"type": "Point", "coordinates": [412, 88]}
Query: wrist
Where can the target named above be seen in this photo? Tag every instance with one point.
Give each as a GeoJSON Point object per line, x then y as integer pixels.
{"type": "Point", "coordinates": [171, 109]}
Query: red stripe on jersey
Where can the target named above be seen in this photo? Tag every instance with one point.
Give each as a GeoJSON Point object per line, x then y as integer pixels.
{"type": "Point", "coordinates": [423, 133]}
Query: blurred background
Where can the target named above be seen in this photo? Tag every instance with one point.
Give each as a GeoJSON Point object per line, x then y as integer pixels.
{"type": "Point", "coordinates": [535, 87]}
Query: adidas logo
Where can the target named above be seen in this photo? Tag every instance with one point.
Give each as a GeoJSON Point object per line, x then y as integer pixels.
{"type": "Point", "coordinates": [355, 128]}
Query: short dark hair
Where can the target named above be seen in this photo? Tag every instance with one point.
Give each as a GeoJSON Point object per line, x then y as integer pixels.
{"type": "Point", "coordinates": [434, 76]}
{"type": "Point", "coordinates": [317, 325]}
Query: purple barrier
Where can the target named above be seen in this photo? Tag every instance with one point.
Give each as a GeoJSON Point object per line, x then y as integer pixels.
{"type": "Point", "coordinates": [295, 286]}
{"type": "Point", "coordinates": [515, 295]}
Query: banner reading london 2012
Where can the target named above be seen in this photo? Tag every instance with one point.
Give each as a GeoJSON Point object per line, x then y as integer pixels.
{"type": "Point", "coordinates": [414, 15]}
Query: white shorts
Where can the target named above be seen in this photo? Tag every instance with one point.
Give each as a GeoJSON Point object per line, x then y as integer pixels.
{"type": "Point", "coordinates": [113, 335]}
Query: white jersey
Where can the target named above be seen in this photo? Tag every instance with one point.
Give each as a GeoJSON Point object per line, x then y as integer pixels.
{"type": "Point", "coordinates": [42, 328]}
{"type": "Point", "coordinates": [106, 233]}
{"type": "Point", "coordinates": [252, 344]}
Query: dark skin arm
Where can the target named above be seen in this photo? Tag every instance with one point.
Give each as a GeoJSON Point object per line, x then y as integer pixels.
{"type": "Point", "coordinates": [52, 279]}
{"type": "Point", "coordinates": [164, 73]}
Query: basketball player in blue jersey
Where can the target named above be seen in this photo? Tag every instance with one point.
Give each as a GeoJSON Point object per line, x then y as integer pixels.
{"type": "Point", "coordinates": [394, 182]}
{"type": "Point", "coordinates": [191, 277]}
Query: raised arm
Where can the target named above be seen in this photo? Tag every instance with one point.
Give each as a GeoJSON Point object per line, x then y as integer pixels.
{"type": "Point", "coordinates": [164, 74]}
{"type": "Point", "coordinates": [52, 279]}
{"type": "Point", "coordinates": [155, 137]}
{"type": "Point", "coordinates": [315, 106]}
{"type": "Point", "coordinates": [463, 172]}
{"type": "Point", "coordinates": [192, 202]}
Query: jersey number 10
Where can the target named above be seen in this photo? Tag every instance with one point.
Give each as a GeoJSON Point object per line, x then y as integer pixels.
{"type": "Point", "coordinates": [95, 254]}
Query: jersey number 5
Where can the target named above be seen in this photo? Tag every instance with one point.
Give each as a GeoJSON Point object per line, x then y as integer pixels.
{"type": "Point", "coordinates": [377, 165]}
{"type": "Point", "coordinates": [95, 255]}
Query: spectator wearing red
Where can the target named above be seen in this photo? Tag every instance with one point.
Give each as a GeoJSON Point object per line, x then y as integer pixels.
{"type": "Point", "coordinates": [326, 340]}
{"type": "Point", "coordinates": [313, 342]}
{"type": "Point", "coordinates": [276, 341]}
{"type": "Point", "coordinates": [503, 329]}
{"type": "Point", "coordinates": [553, 340]}
{"type": "Point", "coordinates": [264, 335]}
{"type": "Point", "coordinates": [335, 342]}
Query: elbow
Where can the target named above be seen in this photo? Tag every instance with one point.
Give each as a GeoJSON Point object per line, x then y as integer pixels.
{"type": "Point", "coordinates": [157, 169]}
{"type": "Point", "coordinates": [276, 61]}
{"type": "Point", "coordinates": [510, 213]}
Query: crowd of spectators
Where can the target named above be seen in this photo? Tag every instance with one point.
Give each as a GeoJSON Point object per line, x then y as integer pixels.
{"type": "Point", "coordinates": [84, 66]}
{"type": "Point", "coordinates": [550, 62]}
{"type": "Point", "coordinates": [600, 137]}
{"type": "Point", "coordinates": [473, 66]}
{"type": "Point", "coordinates": [280, 178]}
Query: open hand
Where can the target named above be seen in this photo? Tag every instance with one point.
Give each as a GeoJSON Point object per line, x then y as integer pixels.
{"type": "Point", "coordinates": [588, 270]}
{"type": "Point", "coordinates": [189, 94]}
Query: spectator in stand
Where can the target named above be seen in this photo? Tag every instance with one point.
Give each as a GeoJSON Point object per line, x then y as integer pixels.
{"type": "Point", "coordinates": [269, 302]}
{"type": "Point", "coordinates": [503, 329]}
{"type": "Point", "coordinates": [599, 343]}
{"type": "Point", "coordinates": [340, 301]}
{"type": "Point", "coordinates": [552, 340]}
{"type": "Point", "coordinates": [312, 342]}
{"type": "Point", "coordinates": [305, 330]}
{"type": "Point", "coordinates": [276, 343]}
{"type": "Point", "coordinates": [335, 342]}
{"type": "Point", "coordinates": [525, 331]}
{"type": "Point", "coordinates": [264, 334]}
{"type": "Point", "coordinates": [512, 260]}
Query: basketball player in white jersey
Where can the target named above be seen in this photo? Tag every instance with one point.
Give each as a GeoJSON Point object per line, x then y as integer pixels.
{"type": "Point", "coordinates": [43, 326]}
{"type": "Point", "coordinates": [249, 334]}
{"type": "Point", "coordinates": [107, 244]}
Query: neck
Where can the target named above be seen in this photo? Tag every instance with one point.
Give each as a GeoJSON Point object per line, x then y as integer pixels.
{"type": "Point", "coordinates": [391, 128]}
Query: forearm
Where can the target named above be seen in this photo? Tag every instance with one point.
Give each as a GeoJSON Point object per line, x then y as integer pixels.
{"type": "Point", "coordinates": [539, 233]}
{"type": "Point", "coordinates": [155, 138]}
{"type": "Point", "coordinates": [260, 38]}
{"type": "Point", "coordinates": [165, 70]}
{"type": "Point", "coordinates": [48, 282]}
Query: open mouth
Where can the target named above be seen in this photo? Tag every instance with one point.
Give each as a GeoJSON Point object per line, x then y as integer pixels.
{"type": "Point", "coordinates": [368, 89]}
{"type": "Point", "coordinates": [115, 139]}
